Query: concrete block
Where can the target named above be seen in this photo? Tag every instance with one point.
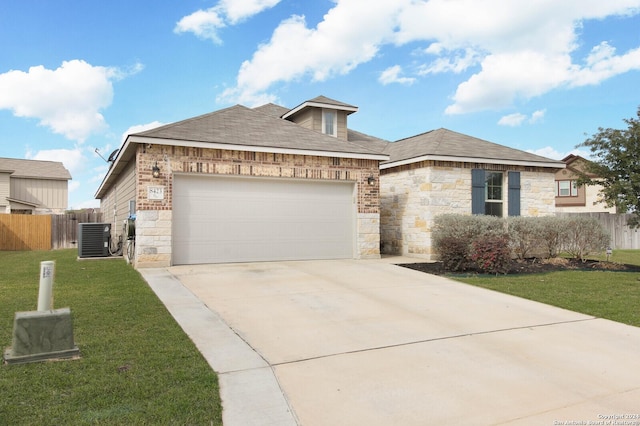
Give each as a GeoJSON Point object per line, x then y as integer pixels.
{"type": "Point", "coordinates": [40, 336]}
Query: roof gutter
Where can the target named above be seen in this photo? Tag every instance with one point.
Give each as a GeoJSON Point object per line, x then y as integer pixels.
{"type": "Point", "coordinates": [133, 139]}
{"type": "Point", "coordinates": [551, 164]}
{"type": "Point", "coordinates": [253, 148]}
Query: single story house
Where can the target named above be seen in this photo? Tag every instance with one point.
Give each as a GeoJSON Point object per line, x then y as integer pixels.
{"type": "Point", "coordinates": [571, 198]}
{"type": "Point", "coordinates": [272, 183]}
{"type": "Point", "coordinates": [445, 172]}
{"type": "Point", "coordinates": [243, 184]}
{"type": "Point", "coordinates": [33, 186]}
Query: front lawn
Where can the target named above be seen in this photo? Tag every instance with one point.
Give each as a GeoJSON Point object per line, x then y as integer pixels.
{"type": "Point", "coordinates": [605, 294]}
{"type": "Point", "coordinates": [137, 366]}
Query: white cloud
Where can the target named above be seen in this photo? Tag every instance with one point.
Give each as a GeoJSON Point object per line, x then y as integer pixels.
{"type": "Point", "coordinates": [336, 46]}
{"type": "Point", "coordinates": [206, 24]}
{"type": "Point", "coordinates": [99, 173]}
{"type": "Point", "coordinates": [512, 120]}
{"type": "Point", "coordinates": [602, 63]}
{"type": "Point", "coordinates": [537, 116]}
{"type": "Point", "coordinates": [458, 63]}
{"type": "Point", "coordinates": [73, 185]}
{"type": "Point", "coordinates": [239, 10]}
{"type": "Point", "coordinates": [73, 160]}
{"type": "Point", "coordinates": [68, 100]}
{"type": "Point", "coordinates": [554, 154]}
{"type": "Point", "coordinates": [203, 23]}
{"type": "Point", "coordinates": [392, 75]}
{"type": "Point", "coordinates": [523, 50]}
{"type": "Point", "coordinates": [516, 119]}
{"type": "Point", "coordinates": [140, 128]}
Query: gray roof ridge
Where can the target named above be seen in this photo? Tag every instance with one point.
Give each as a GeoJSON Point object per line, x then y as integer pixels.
{"type": "Point", "coordinates": [261, 117]}
{"type": "Point", "coordinates": [414, 136]}
{"type": "Point", "coordinates": [445, 142]}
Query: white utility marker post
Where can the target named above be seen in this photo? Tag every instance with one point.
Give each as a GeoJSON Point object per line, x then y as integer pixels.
{"type": "Point", "coordinates": [45, 295]}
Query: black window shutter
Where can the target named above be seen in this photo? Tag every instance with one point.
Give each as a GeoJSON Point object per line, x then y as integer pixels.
{"type": "Point", "coordinates": [477, 191]}
{"type": "Point", "coordinates": [514, 194]}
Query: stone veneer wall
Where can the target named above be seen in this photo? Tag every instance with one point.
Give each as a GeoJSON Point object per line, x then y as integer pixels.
{"type": "Point", "coordinates": [413, 195]}
{"type": "Point", "coordinates": [153, 221]}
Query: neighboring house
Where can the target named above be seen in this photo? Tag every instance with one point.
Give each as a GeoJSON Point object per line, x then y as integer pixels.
{"type": "Point", "coordinates": [245, 184]}
{"type": "Point", "coordinates": [273, 183]}
{"type": "Point", "coordinates": [444, 172]}
{"type": "Point", "coordinates": [33, 187]}
{"type": "Point", "coordinates": [571, 198]}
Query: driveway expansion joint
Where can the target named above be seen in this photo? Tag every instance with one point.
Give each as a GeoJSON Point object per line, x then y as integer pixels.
{"type": "Point", "coordinates": [436, 339]}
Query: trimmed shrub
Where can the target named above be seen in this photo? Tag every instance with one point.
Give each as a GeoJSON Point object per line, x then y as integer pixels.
{"type": "Point", "coordinates": [584, 236]}
{"type": "Point", "coordinates": [491, 253]}
{"type": "Point", "coordinates": [525, 235]}
{"type": "Point", "coordinates": [453, 234]}
{"type": "Point", "coordinates": [552, 234]}
{"type": "Point", "coordinates": [453, 253]}
{"type": "Point", "coordinates": [489, 241]}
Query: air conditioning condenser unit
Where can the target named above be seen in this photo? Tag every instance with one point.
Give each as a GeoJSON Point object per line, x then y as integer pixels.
{"type": "Point", "coordinates": [93, 239]}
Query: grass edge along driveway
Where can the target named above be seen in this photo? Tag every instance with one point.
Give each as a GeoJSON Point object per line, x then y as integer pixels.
{"type": "Point", "coordinates": [137, 366]}
{"type": "Point", "coordinates": [603, 294]}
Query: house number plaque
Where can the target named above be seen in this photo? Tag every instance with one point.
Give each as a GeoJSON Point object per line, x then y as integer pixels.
{"type": "Point", "coordinates": [155, 192]}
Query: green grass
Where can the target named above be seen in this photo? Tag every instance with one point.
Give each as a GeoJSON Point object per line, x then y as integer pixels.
{"type": "Point", "coordinates": [137, 366]}
{"type": "Point", "coordinates": [603, 294]}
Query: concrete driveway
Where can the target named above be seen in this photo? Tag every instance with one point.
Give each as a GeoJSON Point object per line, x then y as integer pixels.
{"type": "Point", "coordinates": [365, 342]}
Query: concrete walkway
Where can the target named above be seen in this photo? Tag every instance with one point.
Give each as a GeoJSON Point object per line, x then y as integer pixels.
{"type": "Point", "coordinates": [366, 342]}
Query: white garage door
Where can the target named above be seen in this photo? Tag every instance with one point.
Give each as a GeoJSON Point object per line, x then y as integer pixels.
{"type": "Point", "coordinates": [228, 219]}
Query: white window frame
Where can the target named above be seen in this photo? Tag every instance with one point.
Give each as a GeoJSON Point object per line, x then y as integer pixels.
{"type": "Point", "coordinates": [325, 123]}
{"type": "Point", "coordinates": [570, 191]}
{"type": "Point", "coordinates": [495, 201]}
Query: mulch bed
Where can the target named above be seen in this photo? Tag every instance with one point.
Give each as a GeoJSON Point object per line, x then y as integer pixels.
{"type": "Point", "coordinates": [531, 266]}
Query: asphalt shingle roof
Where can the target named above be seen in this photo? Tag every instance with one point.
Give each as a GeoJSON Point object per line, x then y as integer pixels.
{"type": "Point", "coordinates": [34, 169]}
{"type": "Point", "coordinates": [446, 143]}
{"type": "Point", "coordinates": [239, 125]}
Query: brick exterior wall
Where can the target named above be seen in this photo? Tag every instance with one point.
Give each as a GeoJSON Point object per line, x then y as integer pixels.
{"type": "Point", "coordinates": [413, 195]}
{"type": "Point", "coordinates": [153, 221]}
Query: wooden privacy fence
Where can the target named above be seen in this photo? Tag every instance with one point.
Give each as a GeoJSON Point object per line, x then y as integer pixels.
{"type": "Point", "coordinates": [64, 228]}
{"type": "Point", "coordinates": [42, 232]}
{"type": "Point", "coordinates": [25, 232]}
{"type": "Point", "coordinates": [622, 236]}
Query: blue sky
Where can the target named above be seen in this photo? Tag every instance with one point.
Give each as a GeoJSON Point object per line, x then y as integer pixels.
{"type": "Point", "coordinates": [541, 76]}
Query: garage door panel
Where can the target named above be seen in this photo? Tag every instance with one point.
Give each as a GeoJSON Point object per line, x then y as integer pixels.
{"type": "Point", "coordinates": [220, 219]}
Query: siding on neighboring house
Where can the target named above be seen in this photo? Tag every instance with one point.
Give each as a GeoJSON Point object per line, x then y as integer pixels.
{"type": "Point", "coordinates": [414, 194]}
{"type": "Point", "coordinates": [4, 192]}
{"type": "Point", "coordinates": [43, 192]}
{"type": "Point", "coordinates": [153, 221]}
{"type": "Point", "coordinates": [115, 205]}
{"type": "Point", "coordinates": [587, 198]}
{"type": "Point", "coordinates": [587, 201]}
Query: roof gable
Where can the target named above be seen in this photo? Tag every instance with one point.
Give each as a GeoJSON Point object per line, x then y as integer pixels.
{"type": "Point", "coordinates": [321, 102]}
{"type": "Point", "coordinates": [272, 109]}
{"type": "Point", "coordinates": [444, 144]}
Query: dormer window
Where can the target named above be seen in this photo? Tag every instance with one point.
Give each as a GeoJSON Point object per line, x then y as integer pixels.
{"type": "Point", "coordinates": [330, 122]}
{"type": "Point", "coordinates": [322, 115]}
